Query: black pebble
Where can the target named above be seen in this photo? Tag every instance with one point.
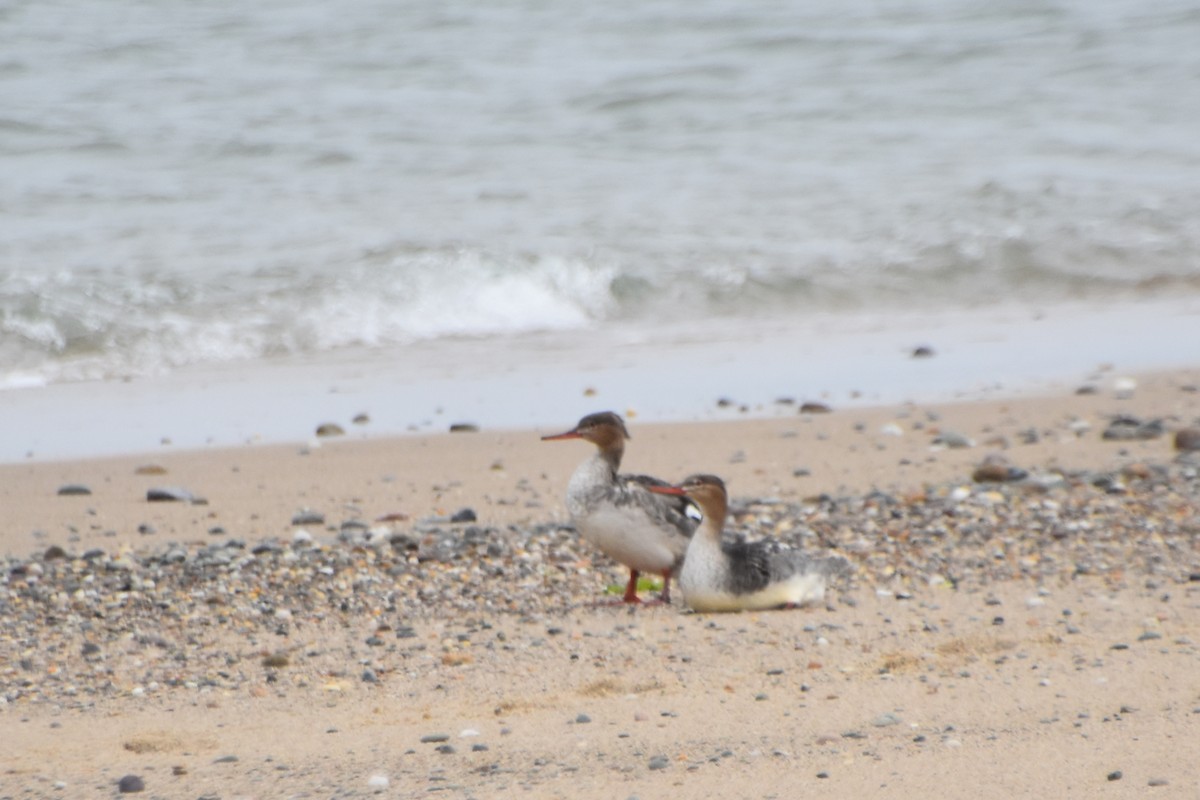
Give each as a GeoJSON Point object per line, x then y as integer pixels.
{"type": "Point", "coordinates": [1115, 775]}
{"type": "Point", "coordinates": [130, 784]}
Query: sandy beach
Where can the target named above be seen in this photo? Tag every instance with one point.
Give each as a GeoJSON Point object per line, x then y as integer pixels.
{"type": "Point", "coordinates": [411, 616]}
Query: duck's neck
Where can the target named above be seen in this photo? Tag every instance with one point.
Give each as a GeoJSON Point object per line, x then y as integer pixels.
{"type": "Point", "coordinates": [713, 524]}
{"type": "Point", "coordinates": [611, 455]}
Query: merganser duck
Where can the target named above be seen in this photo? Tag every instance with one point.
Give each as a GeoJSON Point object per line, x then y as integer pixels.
{"type": "Point", "coordinates": [739, 575]}
{"type": "Point", "coordinates": [646, 532]}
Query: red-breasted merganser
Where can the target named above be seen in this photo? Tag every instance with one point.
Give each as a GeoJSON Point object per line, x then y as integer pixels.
{"type": "Point", "coordinates": [646, 532]}
{"type": "Point", "coordinates": [742, 576]}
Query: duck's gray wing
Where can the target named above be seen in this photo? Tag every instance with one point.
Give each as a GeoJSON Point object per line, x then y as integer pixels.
{"type": "Point", "coordinates": [675, 511]}
{"type": "Point", "coordinates": [756, 565]}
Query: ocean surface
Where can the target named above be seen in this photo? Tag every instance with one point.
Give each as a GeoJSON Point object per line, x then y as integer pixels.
{"type": "Point", "coordinates": [191, 185]}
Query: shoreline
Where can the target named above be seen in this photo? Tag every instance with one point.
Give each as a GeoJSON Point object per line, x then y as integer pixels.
{"type": "Point", "coordinates": [845, 360]}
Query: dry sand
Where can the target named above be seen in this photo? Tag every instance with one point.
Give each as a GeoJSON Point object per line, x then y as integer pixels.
{"type": "Point", "coordinates": [1085, 685]}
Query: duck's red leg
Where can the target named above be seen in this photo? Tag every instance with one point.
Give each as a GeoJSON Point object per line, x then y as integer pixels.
{"type": "Point", "coordinates": [666, 590]}
{"type": "Point", "coordinates": [631, 588]}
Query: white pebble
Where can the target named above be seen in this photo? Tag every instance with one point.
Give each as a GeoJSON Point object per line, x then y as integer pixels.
{"type": "Point", "coordinates": [468, 732]}
{"type": "Point", "coordinates": [891, 429]}
{"type": "Point", "coordinates": [960, 494]}
{"type": "Point", "coordinates": [138, 691]}
{"type": "Point", "coordinates": [378, 782]}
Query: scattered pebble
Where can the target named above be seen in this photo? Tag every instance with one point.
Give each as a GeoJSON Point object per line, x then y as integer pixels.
{"type": "Point", "coordinates": [308, 517]}
{"type": "Point", "coordinates": [464, 427]}
{"type": "Point", "coordinates": [74, 490]}
{"type": "Point", "coordinates": [1187, 440]}
{"type": "Point", "coordinates": [131, 784]}
{"type": "Point", "coordinates": [330, 429]}
{"type": "Point", "coordinates": [1125, 428]}
{"type": "Point", "coordinates": [659, 762]}
{"type": "Point", "coordinates": [169, 494]}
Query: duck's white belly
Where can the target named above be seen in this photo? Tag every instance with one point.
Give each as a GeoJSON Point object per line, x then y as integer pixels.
{"type": "Point", "coordinates": [624, 534]}
{"type": "Point", "coordinates": [704, 581]}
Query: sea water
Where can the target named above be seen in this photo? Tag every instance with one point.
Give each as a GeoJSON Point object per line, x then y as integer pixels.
{"type": "Point", "coordinates": [192, 186]}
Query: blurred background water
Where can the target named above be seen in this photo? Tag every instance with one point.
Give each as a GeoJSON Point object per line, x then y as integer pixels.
{"type": "Point", "coordinates": [206, 183]}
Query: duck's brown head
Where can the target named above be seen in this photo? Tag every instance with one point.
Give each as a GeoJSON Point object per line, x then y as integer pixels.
{"type": "Point", "coordinates": [603, 429]}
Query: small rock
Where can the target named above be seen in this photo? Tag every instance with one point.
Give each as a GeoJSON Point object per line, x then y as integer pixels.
{"type": "Point", "coordinates": [276, 660]}
{"type": "Point", "coordinates": [1187, 440]}
{"type": "Point", "coordinates": [379, 782]}
{"type": "Point", "coordinates": [464, 427]}
{"type": "Point", "coordinates": [169, 494]}
{"type": "Point", "coordinates": [464, 515]}
{"type": "Point", "coordinates": [885, 720]}
{"type": "Point", "coordinates": [1115, 775]}
{"type": "Point", "coordinates": [330, 429]}
{"type": "Point", "coordinates": [582, 719]}
{"type": "Point", "coordinates": [150, 469]}
{"type": "Point", "coordinates": [1126, 429]}
{"type": "Point", "coordinates": [131, 784]}
{"type": "Point", "coordinates": [923, 351]}
{"type": "Point", "coordinates": [74, 490]}
{"type": "Point", "coordinates": [446, 749]}
{"type": "Point", "coordinates": [995, 468]}
{"type": "Point", "coordinates": [953, 440]}
{"type": "Point", "coordinates": [230, 759]}
{"type": "Point", "coordinates": [308, 517]}
{"type": "Point", "coordinates": [434, 738]}
{"type": "Point", "coordinates": [53, 553]}
{"type": "Point", "coordinates": [815, 408]}
{"type": "Point", "coordinates": [361, 419]}
{"type": "Point", "coordinates": [659, 762]}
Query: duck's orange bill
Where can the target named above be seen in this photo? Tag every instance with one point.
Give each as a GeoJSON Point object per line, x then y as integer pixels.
{"type": "Point", "coordinates": [557, 436]}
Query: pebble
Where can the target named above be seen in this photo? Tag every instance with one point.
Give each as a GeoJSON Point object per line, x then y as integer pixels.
{"type": "Point", "coordinates": [131, 784]}
{"type": "Point", "coordinates": [583, 719]}
{"type": "Point", "coordinates": [434, 738]}
{"type": "Point", "coordinates": [330, 429]}
{"type": "Point", "coordinates": [1187, 440]}
{"type": "Point", "coordinates": [74, 490]}
{"type": "Point", "coordinates": [995, 468]}
{"type": "Point", "coordinates": [464, 427]}
{"type": "Point", "coordinates": [169, 494]}
{"type": "Point", "coordinates": [308, 517]}
{"type": "Point", "coordinates": [1115, 775]}
{"type": "Point", "coordinates": [378, 782]}
{"type": "Point", "coordinates": [1125, 428]}
{"type": "Point", "coordinates": [815, 408]}
{"type": "Point", "coordinates": [659, 762]}
{"type": "Point", "coordinates": [953, 440]}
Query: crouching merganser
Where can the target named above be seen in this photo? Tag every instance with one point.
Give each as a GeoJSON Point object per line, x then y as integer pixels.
{"type": "Point", "coordinates": [742, 576]}
{"type": "Point", "coordinates": [646, 532]}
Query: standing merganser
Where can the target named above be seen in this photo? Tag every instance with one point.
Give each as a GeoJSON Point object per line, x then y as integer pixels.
{"type": "Point", "coordinates": [646, 532]}
{"type": "Point", "coordinates": [740, 575]}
